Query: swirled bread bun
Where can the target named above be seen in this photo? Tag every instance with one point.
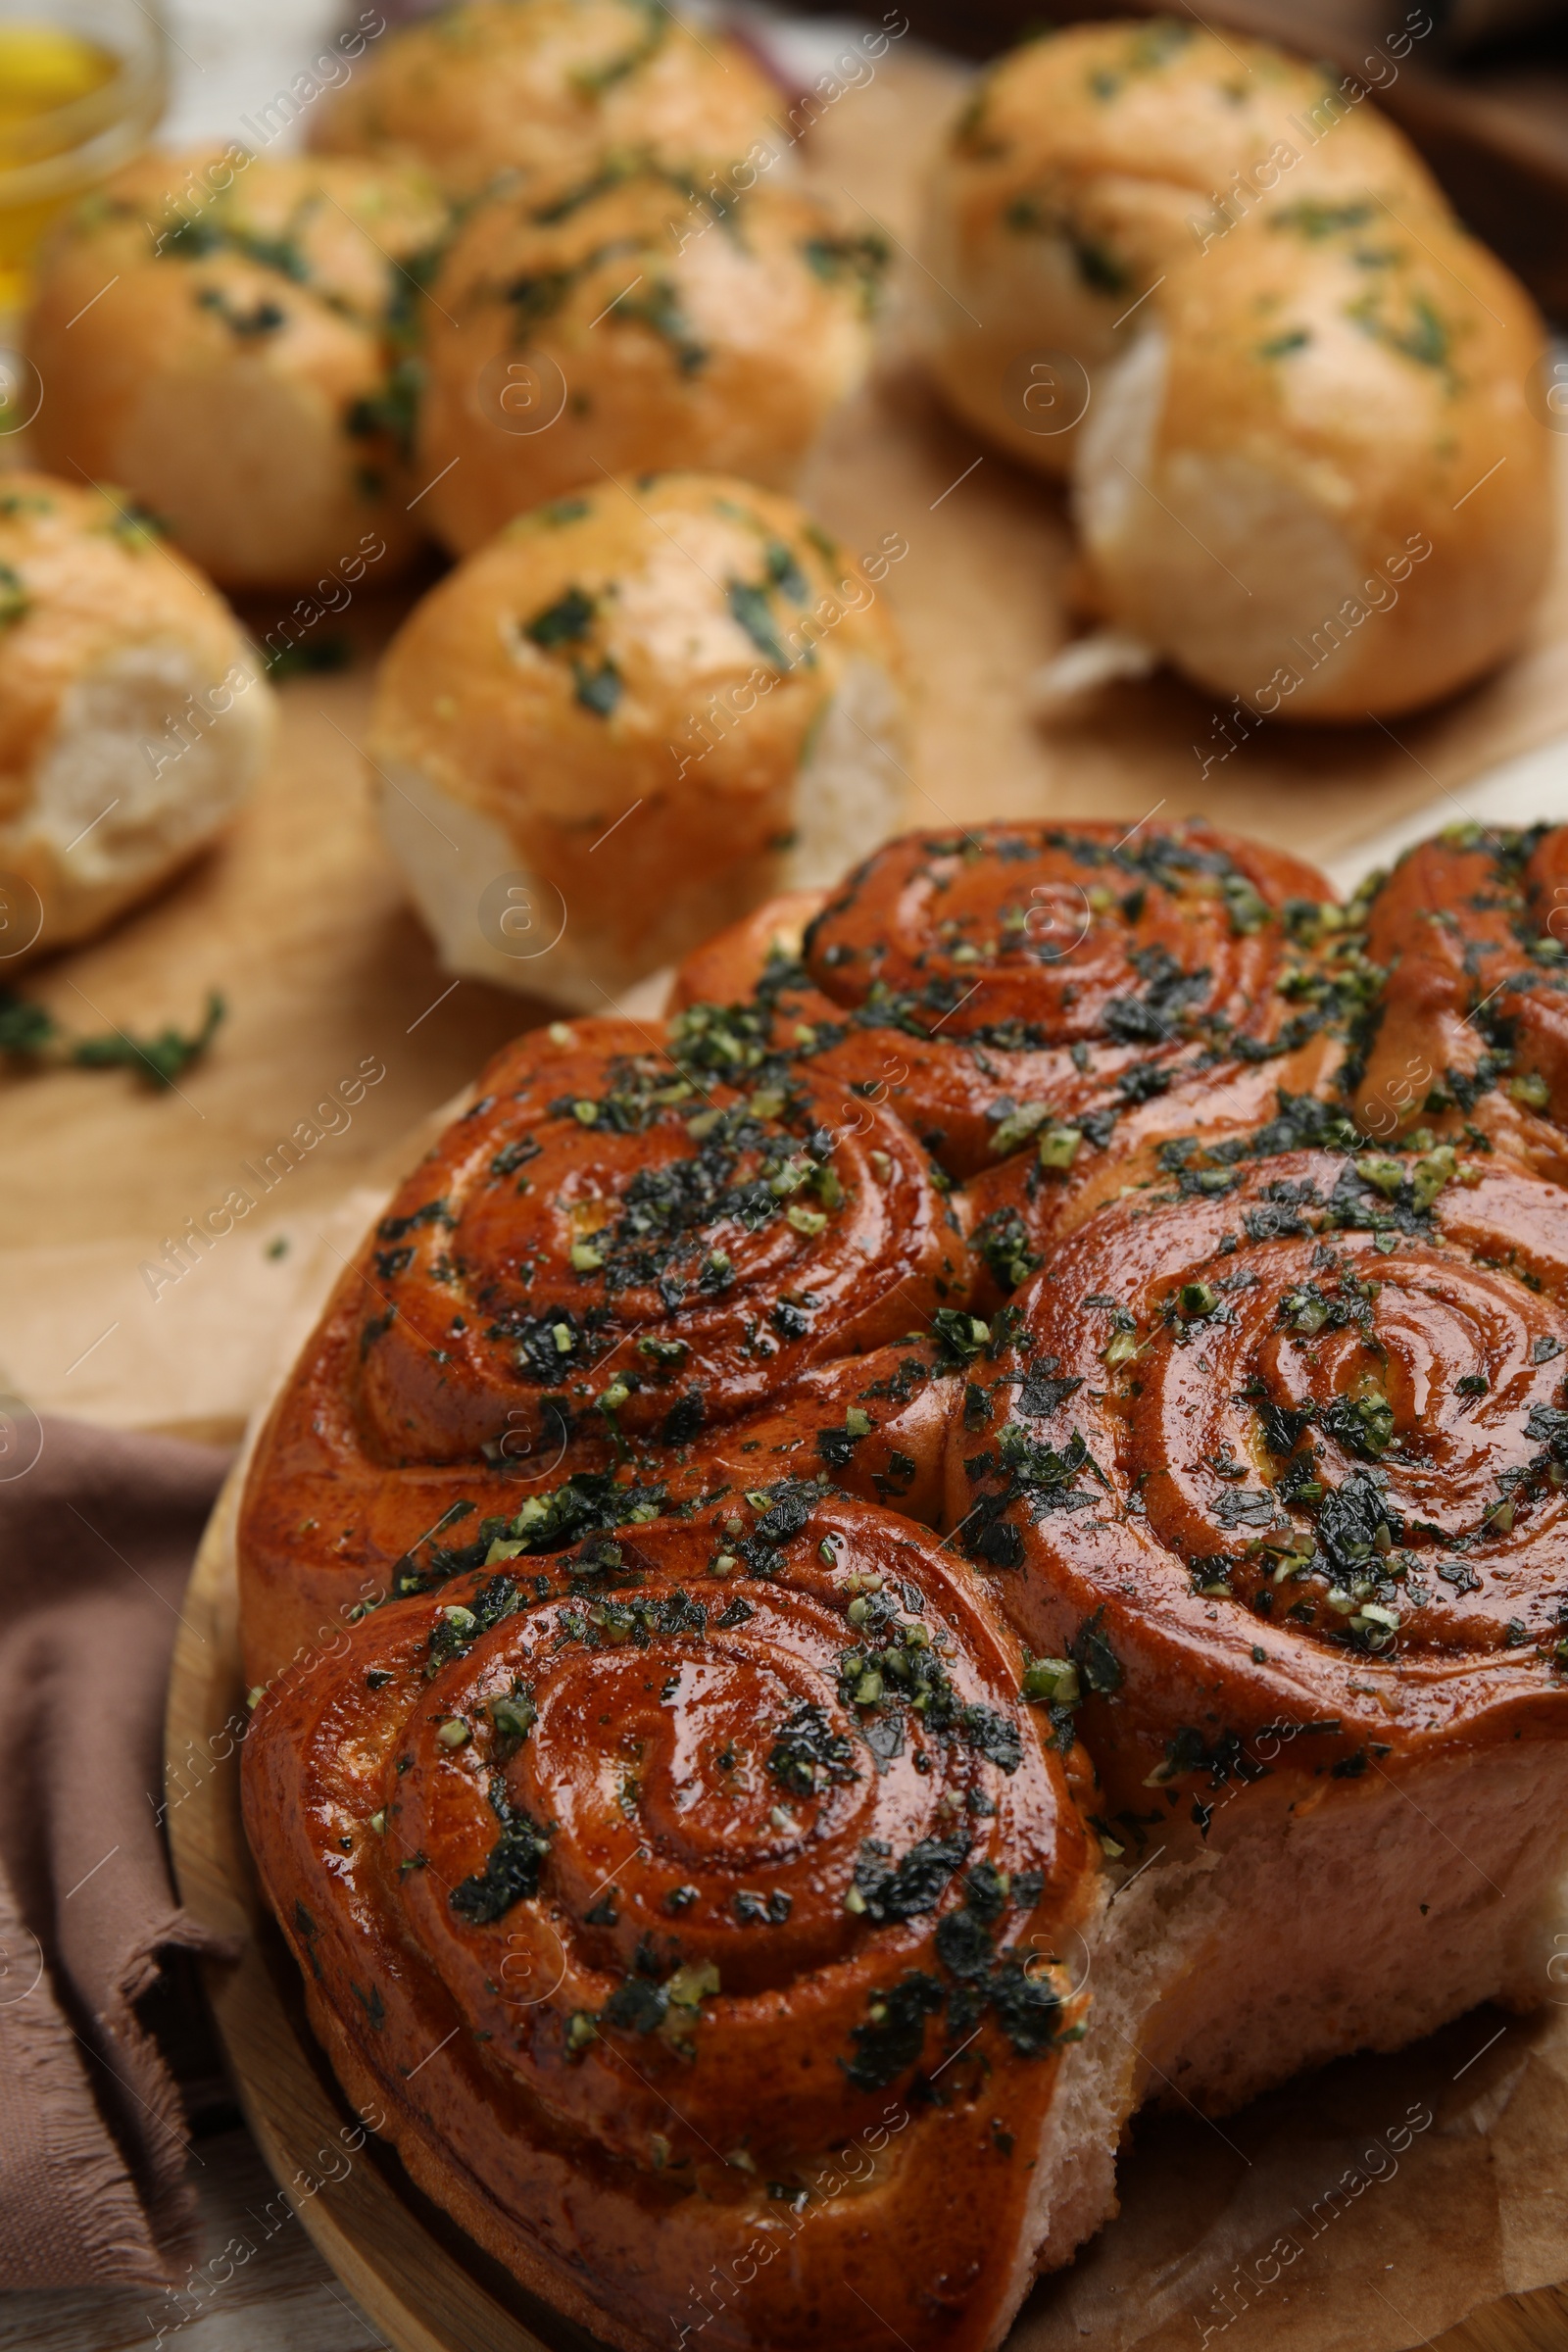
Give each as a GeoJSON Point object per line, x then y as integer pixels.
{"type": "Point", "coordinates": [132, 722]}
{"type": "Point", "coordinates": [1314, 482]}
{"type": "Point", "coordinates": [241, 366]}
{"type": "Point", "coordinates": [633, 323]}
{"type": "Point", "coordinates": [1268, 1476]}
{"type": "Point", "coordinates": [645, 1251]}
{"type": "Point", "coordinates": [1090, 162]}
{"type": "Point", "coordinates": [547, 89]}
{"type": "Point", "coordinates": [732, 966]}
{"type": "Point", "coordinates": [674, 1923]}
{"type": "Point", "coordinates": [625, 721]}
{"type": "Point", "coordinates": [1023, 987]}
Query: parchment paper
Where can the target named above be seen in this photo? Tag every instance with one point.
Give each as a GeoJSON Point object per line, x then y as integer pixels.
{"type": "Point", "coordinates": [1363, 2209]}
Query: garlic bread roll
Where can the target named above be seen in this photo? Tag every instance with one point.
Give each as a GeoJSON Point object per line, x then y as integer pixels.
{"type": "Point", "coordinates": [1314, 482]}
{"type": "Point", "coordinates": [132, 720]}
{"type": "Point", "coordinates": [547, 88]}
{"type": "Point", "coordinates": [634, 324]}
{"type": "Point", "coordinates": [241, 363]}
{"type": "Point", "coordinates": [1090, 162]}
{"type": "Point", "coordinates": [631, 716]}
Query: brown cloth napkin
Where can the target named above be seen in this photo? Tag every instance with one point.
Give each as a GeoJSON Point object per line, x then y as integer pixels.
{"type": "Point", "coordinates": [96, 1539]}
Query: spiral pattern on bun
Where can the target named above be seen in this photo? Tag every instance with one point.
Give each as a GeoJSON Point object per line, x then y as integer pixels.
{"type": "Point", "coordinates": [617, 1237]}
{"type": "Point", "coordinates": [679, 1882]}
{"type": "Point", "coordinates": [1288, 1448]}
{"type": "Point", "coordinates": [681, 1838]}
{"type": "Point", "coordinates": [635, 1238]}
{"type": "Point", "coordinates": [1472, 1030]}
{"type": "Point", "coordinates": [1075, 968]}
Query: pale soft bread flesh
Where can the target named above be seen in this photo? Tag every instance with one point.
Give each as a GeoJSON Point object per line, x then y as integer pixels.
{"type": "Point", "coordinates": [134, 719]}
{"type": "Point", "coordinates": [1360, 1920]}
{"type": "Point", "coordinates": [847, 797]}
{"type": "Point", "coordinates": [117, 802]}
{"type": "Point", "coordinates": [1267, 564]}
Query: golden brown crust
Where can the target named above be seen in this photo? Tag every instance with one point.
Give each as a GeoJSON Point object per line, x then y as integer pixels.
{"type": "Point", "coordinates": [633, 325]}
{"type": "Point", "coordinates": [1289, 1451]}
{"type": "Point", "coordinates": [1092, 162]}
{"type": "Point", "coordinates": [1472, 1031]}
{"type": "Point", "coordinates": [627, 1964]}
{"type": "Point", "coordinates": [327, 1533]}
{"type": "Point", "coordinates": [239, 359]}
{"type": "Point", "coordinates": [432, 2168]}
{"type": "Point", "coordinates": [995, 976]}
{"type": "Point", "coordinates": [546, 89]}
{"type": "Point", "coordinates": [1354, 382]}
{"type": "Point", "coordinates": [497, 718]}
{"type": "Point", "coordinates": [628, 696]}
{"type": "Point", "coordinates": [1264, 1461]}
{"type": "Point", "coordinates": [609, 1263]}
{"type": "Point", "coordinates": [607, 1224]}
{"type": "Point", "coordinates": [1215, 286]}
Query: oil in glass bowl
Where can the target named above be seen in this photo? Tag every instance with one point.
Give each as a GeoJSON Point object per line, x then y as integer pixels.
{"type": "Point", "coordinates": [82, 83]}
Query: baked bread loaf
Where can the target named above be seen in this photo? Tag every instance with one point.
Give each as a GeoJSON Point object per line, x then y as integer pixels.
{"type": "Point", "coordinates": [132, 718]}
{"type": "Point", "coordinates": [1274, 1464]}
{"type": "Point", "coordinates": [1315, 484]}
{"type": "Point", "coordinates": [230, 342]}
{"type": "Point", "coordinates": [635, 325]}
{"type": "Point", "coordinates": [1217, 289]}
{"type": "Point", "coordinates": [640, 1235]}
{"type": "Point", "coordinates": [1470, 1045]}
{"type": "Point", "coordinates": [1092, 162]}
{"type": "Point", "coordinates": [1027, 977]}
{"type": "Point", "coordinates": [631, 716]}
{"type": "Point", "coordinates": [599, 1893]}
{"type": "Point", "coordinates": [633, 1605]}
{"type": "Point", "coordinates": [547, 89]}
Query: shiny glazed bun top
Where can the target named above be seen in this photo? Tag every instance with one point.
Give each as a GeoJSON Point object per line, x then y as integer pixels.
{"type": "Point", "coordinates": [643, 1919]}
{"type": "Point", "coordinates": [629, 1232]}
{"type": "Point", "coordinates": [239, 355]}
{"type": "Point", "coordinates": [636, 321]}
{"type": "Point", "coordinates": [1285, 1430]}
{"type": "Point", "coordinates": [1035, 983]}
{"type": "Point", "coordinates": [1473, 1040]}
{"type": "Point", "coordinates": [635, 1837]}
{"type": "Point", "coordinates": [548, 88]}
{"type": "Point", "coordinates": [640, 1251]}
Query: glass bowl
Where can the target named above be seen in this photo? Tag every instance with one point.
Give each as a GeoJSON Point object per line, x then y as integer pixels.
{"type": "Point", "coordinates": [81, 84]}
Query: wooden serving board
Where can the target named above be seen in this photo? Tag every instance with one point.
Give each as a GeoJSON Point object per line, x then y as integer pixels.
{"type": "Point", "coordinates": [299, 917]}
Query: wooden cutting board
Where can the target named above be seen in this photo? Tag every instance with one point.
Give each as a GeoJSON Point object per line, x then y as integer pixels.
{"type": "Point", "coordinates": [299, 917]}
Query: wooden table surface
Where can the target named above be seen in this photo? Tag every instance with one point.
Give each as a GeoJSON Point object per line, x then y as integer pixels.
{"type": "Point", "coordinates": [281, 2298]}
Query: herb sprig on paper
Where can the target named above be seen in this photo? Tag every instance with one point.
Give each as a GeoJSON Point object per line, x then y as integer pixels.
{"type": "Point", "coordinates": [30, 1034]}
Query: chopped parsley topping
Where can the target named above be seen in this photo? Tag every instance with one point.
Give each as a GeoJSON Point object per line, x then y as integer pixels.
{"type": "Point", "coordinates": [510, 1874]}
{"type": "Point", "coordinates": [807, 1755]}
